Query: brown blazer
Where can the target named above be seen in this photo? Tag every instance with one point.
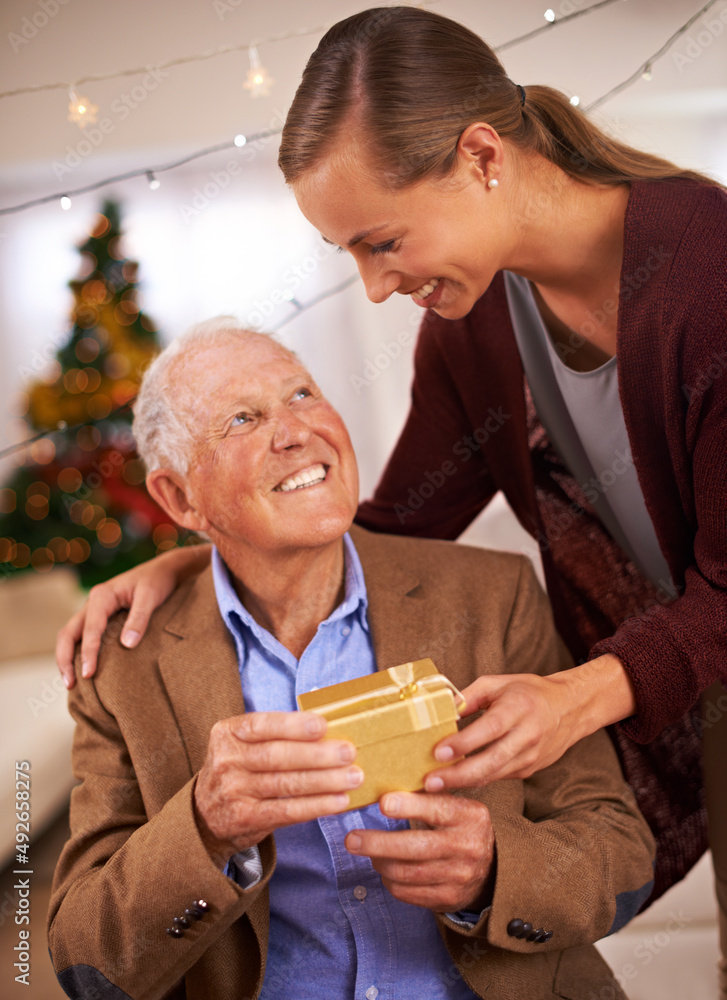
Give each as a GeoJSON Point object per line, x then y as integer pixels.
{"type": "Point", "coordinates": [569, 839]}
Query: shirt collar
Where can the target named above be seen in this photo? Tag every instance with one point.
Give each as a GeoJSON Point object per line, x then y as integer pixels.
{"type": "Point", "coordinates": [234, 613]}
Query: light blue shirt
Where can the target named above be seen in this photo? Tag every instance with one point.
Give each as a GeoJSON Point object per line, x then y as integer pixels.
{"type": "Point", "coordinates": [334, 930]}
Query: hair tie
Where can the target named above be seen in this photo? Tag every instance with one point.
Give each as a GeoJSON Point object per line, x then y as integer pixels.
{"type": "Point", "coordinates": [522, 94]}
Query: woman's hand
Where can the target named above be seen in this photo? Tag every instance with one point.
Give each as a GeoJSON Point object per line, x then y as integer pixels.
{"type": "Point", "coordinates": [530, 721]}
{"type": "Point", "coordinates": [141, 589]}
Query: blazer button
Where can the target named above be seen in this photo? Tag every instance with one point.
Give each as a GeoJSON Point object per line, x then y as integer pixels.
{"type": "Point", "coordinates": [182, 922]}
{"type": "Point", "coordinates": [514, 927]}
{"type": "Point", "coordinates": [548, 935]}
{"type": "Point", "coordinates": [200, 904]}
{"type": "Point", "coordinates": [537, 936]}
{"type": "Point", "coordinates": [175, 932]}
{"type": "Point", "coordinates": [193, 913]}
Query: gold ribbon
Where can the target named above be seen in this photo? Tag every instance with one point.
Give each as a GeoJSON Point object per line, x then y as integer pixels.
{"type": "Point", "coordinates": [408, 685]}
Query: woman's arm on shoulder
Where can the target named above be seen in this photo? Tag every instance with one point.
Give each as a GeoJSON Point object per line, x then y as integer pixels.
{"type": "Point", "coordinates": [141, 589]}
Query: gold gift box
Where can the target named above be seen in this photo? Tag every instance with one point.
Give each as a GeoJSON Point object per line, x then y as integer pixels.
{"type": "Point", "coordinates": [395, 718]}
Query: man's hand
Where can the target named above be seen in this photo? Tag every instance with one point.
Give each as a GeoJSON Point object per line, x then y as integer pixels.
{"type": "Point", "coordinates": [265, 770]}
{"type": "Point", "coordinates": [445, 863]}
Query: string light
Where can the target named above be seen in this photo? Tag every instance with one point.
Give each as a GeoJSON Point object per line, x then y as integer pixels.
{"type": "Point", "coordinates": [647, 66]}
{"type": "Point", "coordinates": [81, 110]}
{"type": "Point", "coordinates": [143, 171]}
{"type": "Point", "coordinates": [154, 182]}
{"type": "Point", "coordinates": [65, 202]}
{"type": "Point", "coordinates": [245, 47]}
{"type": "Point", "coordinates": [575, 100]}
{"type": "Point", "coordinates": [552, 22]}
{"type": "Point", "coordinates": [241, 140]}
{"type": "Point", "coordinates": [258, 80]}
{"type": "Point", "coordinates": [179, 61]}
{"type": "Point", "coordinates": [647, 74]}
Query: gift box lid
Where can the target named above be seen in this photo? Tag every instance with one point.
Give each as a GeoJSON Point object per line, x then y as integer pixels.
{"type": "Point", "coordinates": [371, 707]}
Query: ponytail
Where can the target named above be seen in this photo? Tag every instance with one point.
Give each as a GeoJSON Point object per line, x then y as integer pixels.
{"type": "Point", "coordinates": [409, 82]}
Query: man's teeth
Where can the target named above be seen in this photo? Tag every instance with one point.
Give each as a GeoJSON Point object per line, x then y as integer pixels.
{"type": "Point", "coordinates": [308, 477]}
{"type": "Point", "coordinates": [421, 293]}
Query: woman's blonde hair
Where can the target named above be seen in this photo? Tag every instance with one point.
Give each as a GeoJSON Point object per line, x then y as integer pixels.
{"type": "Point", "coordinates": [409, 82]}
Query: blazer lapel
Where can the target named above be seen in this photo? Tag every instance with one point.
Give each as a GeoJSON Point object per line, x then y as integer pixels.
{"type": "Point", "coordinates": [199, 669]}
{"type": "Point", "coordinates": [399, 617]}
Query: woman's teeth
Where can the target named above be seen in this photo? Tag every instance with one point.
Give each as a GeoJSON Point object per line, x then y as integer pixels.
{"type": "Point", "coordinates": [308, 477]}
{"type": "Point", "coordinates": [421, 293]}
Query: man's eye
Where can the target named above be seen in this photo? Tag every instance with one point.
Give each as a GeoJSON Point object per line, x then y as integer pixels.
{"type": "Point", "coordinates": [382, 248]}
{"type": "Point", "coordinates": [302, 393]}
{"type": "Point", "coordinates": [239, 419]}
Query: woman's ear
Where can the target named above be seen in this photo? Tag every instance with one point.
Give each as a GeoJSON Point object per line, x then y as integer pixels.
{"type": "Point", "coordinates": [480, 148]}
{"type": "Point", "coordinates": [174, 497]}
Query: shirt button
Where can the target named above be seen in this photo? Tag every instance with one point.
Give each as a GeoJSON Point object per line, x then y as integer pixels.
{"type": "Point", "coordinates": [360, 893]}
{"type": "Point", "coordinates": [345, 630]}
{"type": "Point", "coordinates": [371, 993]}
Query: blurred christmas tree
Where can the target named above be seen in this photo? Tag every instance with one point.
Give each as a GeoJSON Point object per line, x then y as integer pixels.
{"type": "Point", "coordinates": [78, 495]}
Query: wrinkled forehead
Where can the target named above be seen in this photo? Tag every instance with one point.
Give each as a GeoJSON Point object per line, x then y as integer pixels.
{"type": "Point", "coordinates": [207, 378]}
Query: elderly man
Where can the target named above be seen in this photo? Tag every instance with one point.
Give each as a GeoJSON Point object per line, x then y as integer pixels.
{"type": "Point", "coordinates": [213, 854]}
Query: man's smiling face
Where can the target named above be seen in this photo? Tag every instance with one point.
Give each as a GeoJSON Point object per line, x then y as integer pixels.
{"type": "Point", "coordinates": [273, 468]}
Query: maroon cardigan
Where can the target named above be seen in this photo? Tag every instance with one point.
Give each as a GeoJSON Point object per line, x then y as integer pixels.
{"type": "Point", "coordinates": [472, 431]}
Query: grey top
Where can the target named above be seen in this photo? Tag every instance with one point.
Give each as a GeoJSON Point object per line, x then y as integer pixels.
{"type": "Point", "coordinates": [582, 414]}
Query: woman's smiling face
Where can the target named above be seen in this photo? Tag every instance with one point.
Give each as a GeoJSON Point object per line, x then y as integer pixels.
{"type": "Point", "coordinates": [440, 241]}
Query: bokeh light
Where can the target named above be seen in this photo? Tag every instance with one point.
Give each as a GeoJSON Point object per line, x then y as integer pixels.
{"type": "Point", "coordinates": [42, 560]}
{"type": "Point", "coordinates": [109, 532]}
{"type": "Point", "coordinates": [70, 480]}
{"type": "Point", "coordinates": [88, 438]}
{"type": "Point", "coordinates": [93, 379]}
{"type": "Point", "coordinates": [117, 365]}
{"type": "Point", "coordinates": [99, 227]}
{"type": "Point", "coordinates": [8, 500]}
{"type": "Point", "coordinates": [165, 536]}
{"type": "Point", "coordinates": [60, 548]}
{"type": "Point", "coordinates": [87, 350]}
{"type": "Point", "coordinates": [78, 550]}
{"type": "Point", "coordinates": [99, 406]}
{"type": "Point", "coordinates": [21, 556]}
{"type": "Point", "coordinates": [43, 451]}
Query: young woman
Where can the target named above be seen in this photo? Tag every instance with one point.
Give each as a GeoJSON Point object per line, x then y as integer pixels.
{"type": "Point", "coordinates": [573, 355]}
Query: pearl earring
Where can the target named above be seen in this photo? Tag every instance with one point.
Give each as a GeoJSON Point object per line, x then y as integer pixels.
{"type": "Point", "coordinates": [492, 183]}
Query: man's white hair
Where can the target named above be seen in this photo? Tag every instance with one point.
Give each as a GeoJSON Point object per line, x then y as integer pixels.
{"type": "Point", "coordinates": [163, 436]}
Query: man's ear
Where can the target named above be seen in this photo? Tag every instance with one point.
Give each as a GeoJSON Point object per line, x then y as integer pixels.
{"type": "Point", "coordinates": [173, 495]}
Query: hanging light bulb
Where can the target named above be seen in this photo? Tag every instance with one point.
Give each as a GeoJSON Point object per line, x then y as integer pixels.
{"type": "Point", "coordinates": [154, 182]}
{"type": "Point", "coordinates": [575, 100]}
{"type": "Point", "coordinates": [648, 73]}
{"type": "Point", "coordinates": [240, 140]}
{"type": "Point", "coordinates": [65, 202]}
{"type": "Point", "coordinates": [80, 110]}
{"type": "Point", "coordinates": [549, 15]}
{"type": "Point", "coordinates": [258, 80]}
